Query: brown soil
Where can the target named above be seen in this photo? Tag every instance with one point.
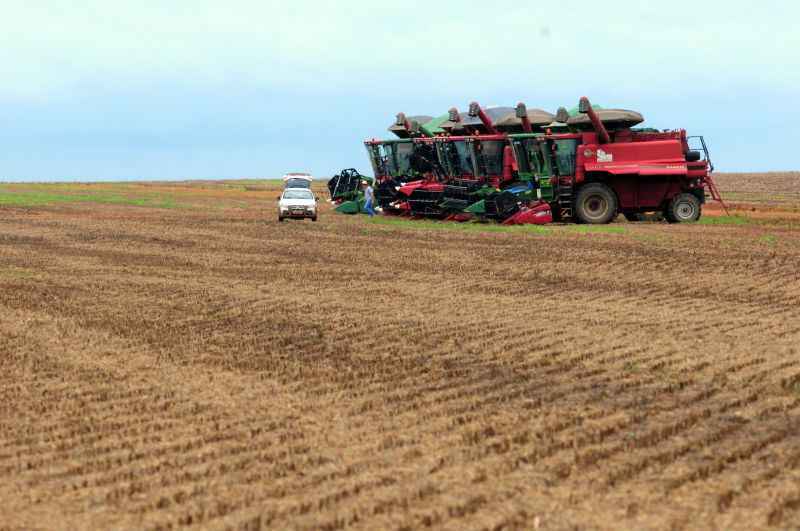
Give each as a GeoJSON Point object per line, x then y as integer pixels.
{"type": "Point", "coordinates": [211, 367]}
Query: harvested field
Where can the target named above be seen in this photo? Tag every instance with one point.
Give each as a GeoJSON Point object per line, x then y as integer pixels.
{"type": "Point", "coordinates": [172, 356]}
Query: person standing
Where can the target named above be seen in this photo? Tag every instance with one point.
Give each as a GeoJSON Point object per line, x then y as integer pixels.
{"type": "Point", "coordinates": [369, 197]}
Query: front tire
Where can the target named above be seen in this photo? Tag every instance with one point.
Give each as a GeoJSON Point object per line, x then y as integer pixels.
{"type": "Point", "coordinates": [596, 203]}
{"type": "Point", "coordinates": [683, 208]}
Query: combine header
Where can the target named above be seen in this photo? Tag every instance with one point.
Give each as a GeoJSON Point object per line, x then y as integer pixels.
{"type": "Point", "coordinates": [345, 191]}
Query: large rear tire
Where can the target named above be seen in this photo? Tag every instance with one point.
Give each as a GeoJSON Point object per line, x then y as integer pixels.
{"type": "Point", "coordinates": [684, 208]}
{"type": "Point", "coordinates": [596, 203]}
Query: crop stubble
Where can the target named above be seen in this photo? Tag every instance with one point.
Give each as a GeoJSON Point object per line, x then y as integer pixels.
{"type": "Point", "coordinates": [212, 367]}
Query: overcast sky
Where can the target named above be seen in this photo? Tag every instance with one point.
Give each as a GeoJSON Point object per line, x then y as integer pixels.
{"type": "Point", "coordinates": [154, 89]}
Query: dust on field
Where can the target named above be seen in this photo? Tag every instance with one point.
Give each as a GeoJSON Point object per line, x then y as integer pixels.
{"type": "Point", "coordinates": [204, 365]}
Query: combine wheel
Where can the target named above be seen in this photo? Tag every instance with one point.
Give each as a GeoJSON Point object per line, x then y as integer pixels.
{"type": "Point", "coordinates": [596, 204]}
{"type": "Point", "coordinates": [683, 208]}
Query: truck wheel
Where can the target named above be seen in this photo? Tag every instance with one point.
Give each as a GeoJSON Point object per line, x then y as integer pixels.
{"type": "Point", "coordinates": [683, 208]}
{"type": "Point", "coordinates": [596, 204]}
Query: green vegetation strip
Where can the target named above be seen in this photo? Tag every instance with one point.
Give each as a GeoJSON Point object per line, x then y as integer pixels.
{"type": "Point", "coordinates": [36, 198]}
{"type": "Point", "coordinates": [15, 272]}
{"type": "Point", "coordinates": [723, 220]}
{"type": "Point", "coordinates": [470, 226]}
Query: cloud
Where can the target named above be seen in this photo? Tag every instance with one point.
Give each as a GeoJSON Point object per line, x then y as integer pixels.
{"type": "Point", "coordinates": [49, 46]}
{"type": "Point", "coordinates": [138, 79]}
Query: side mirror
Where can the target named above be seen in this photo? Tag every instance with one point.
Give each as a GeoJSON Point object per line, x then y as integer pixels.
{"type": "Point", "coordinates": [584, 105]}
{"type": "Point", "coordinates": [562, 115]}
{"type": "Point", "coordinates": [521, 110]}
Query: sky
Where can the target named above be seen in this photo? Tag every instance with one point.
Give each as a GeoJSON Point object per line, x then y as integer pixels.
{"type": "Point", "coordinates": [154, 89]}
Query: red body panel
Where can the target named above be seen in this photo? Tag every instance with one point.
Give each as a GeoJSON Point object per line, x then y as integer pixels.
{"type": "Point", "coordinates": [540, 214]}
{"type": "Point", "coordinates": [409, 188]}
{"type": "Point", "coordinates": [659, 157]}
{"type": "Point", "coordinates": [645, 170]}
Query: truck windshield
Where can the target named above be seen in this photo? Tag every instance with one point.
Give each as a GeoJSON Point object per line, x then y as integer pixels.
{"type": "Point", "coordinates": [297, 194]}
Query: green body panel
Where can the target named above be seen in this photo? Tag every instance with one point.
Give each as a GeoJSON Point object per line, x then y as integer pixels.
{"type": "Point", "coordinates": [348, 207]}
{"type": "Point", "coordinates": [485, 191]}
{"type": "Point", "coordinates": [449, 204]}
{"type": "Point", "coordinates": [353, 206]}
{"type": "Point", "coordinates": [575, 112]}
{"type": "Point", "coordinates": [535, 165]}
{"type": "Point", "coordinates": [477, 208]}
{"type": "Point", "coordinates": [433, 128]}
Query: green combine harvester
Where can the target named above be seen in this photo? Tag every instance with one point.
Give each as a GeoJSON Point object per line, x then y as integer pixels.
{"type": "Point", "coordinates": [399, 161]}
{"type": "Point", "coordinates": [394, 162]}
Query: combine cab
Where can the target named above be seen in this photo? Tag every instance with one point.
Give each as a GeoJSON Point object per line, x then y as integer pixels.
{"type": "Point", "coordinates": [481, 164]}
{"type": "Point", "coordinates": [401, 161]}
{"type": "Point", "coordinates": [603, 167]}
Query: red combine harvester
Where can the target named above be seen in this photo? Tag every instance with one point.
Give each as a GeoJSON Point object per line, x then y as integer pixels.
{"type": "Point", "coordinates": [400, 162]}
{"type": "Point", "coordinates": [603, 168]}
